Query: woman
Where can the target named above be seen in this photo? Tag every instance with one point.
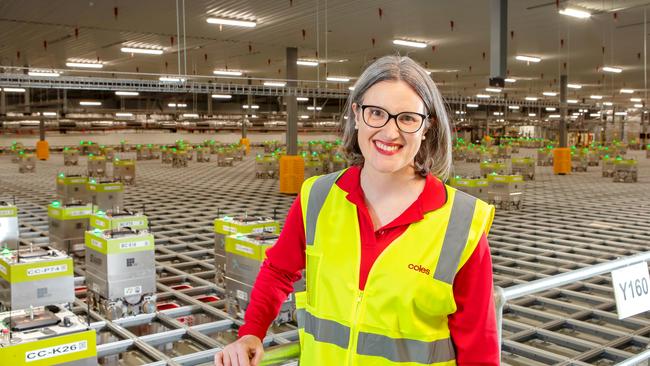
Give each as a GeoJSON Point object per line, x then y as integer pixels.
{"type": "Point", "coordinates": [398, 268]}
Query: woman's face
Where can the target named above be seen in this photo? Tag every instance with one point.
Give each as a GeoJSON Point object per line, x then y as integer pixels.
{"type": "Point", "coordinates": [387, 149]}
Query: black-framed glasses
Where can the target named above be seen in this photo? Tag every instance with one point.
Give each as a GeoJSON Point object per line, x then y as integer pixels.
{"type": "Point", "coordinates": [378, 117]}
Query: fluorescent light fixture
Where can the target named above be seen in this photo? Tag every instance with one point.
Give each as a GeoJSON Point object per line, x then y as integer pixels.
{"type": "Point", "coordinates": [597, 97]}
{"type": "Point", "coordinates": [221, 96]}
{"type": "Point", "coordinates": [304, 116]}
{"type": "Point", "coordinates": [594, 115]}
{"type": "Point", "coordinates": [350, 88]}
{"type": "Point", "coordinates": [171, 79]}
{"type": "Point", "coordinates": [144, 51]}
{"type": "Point", "coordinates": [497, 113]}
{"type": "Point", "coordinates": [532, 99]}
{"type": "Point", "coordinates": [85, 65]}
{"type": "Point", "coordinates": [307, 63]}
{"type": "Point", "coordinates": [510, 80]}
{"type": "Point", "coordinates": [190, 115]}
{"type": "Point", "coordinates": [302, 99]}
{"type": "Point", "coordinates": [482, 96]}
{"type": "Point", "coordinates": [575, 113]}
{"type": "Point", "coordinates": [532, 115]}
{"type": "Point", "coordinates": [574, 117]}
{"type": "Point", "coordinates": [177, 105]}
{"type": "Point", "coordinates": [549, 94]}
{"type": "Point", "coordinates": [14, 90]}
{"type": "Point", "coordinates": [550, 109]}
{"type": "Point", "coordinates": [513, 107]}
{"type": "Point", "coordinates": [528, 58]}
{"type": "Point", "coordinates": [472, 105]}
{"type": "Point", "coordinates": [638, 105]}
{"type": "Point", "coordinates": [635, 100]}
{"type": "Point", "coordinates": [553, 116]}
{"type": "Point", "coordinates": [609, 104]}
{"type": "Point", "coordinates": [576, 13]}
{"type": "Point", "coordinates": [275, 83]}
{"type": "Point", "coordinates": [574, 86]}
{"type": "Point", "coordinates": [254, 106]}
{"type": "Point", "coordinates": [127, 93]}
{"type": "Point", "coordinates": [572, 101]}
{"type": "Point", "coordinates": [43, 73]}
{"type": "Point", "coordinates": [311, 108]}
{"type": "Point", "coordinates": [253, 115]}
{"type": "Point", "coordinates": [89, 103]}
{"type": "Point", "coordinates": [402, 42]}
{"type": "Point", "coordinates": [227, 73]}
{"type": "Point", "coordinates": [237, 23]}
{"type": "Point", "coordinates": [123, 114]}
{"type": "Point", "coordinates": [616, 70]}
{"type": "Point", "coordinates": [627, 91]}
{"type": "Point", "coordinates": [49, 114]}
{"type": "Point", "coordinates": [342, 79]}
{"type": "Point", "coordinates": [493, 90]}
{"type": "Point", "coordinates": [620, 113]}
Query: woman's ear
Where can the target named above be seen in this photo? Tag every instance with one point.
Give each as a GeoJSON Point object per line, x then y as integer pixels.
{"type": "Point", "coordinates": [356, 110]}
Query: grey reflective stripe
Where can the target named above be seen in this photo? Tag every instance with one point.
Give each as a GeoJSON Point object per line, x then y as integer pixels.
{"type": "Point", "coordinates": [327, 331]}
{"type": "Point", "coordinates": [300, 317]}
{"type": "Point", "coordinates": [317, 196]}
{"type": "Point", "coordinates": [405, 350]}
{"type": "Point", "coordinates": [460, 222]}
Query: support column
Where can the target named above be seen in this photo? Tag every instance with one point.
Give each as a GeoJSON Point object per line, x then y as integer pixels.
{"type": "Point", "coordinates": [562, 130]}
{"type": "Point", "coordinates": [487, 120]}
{"type": "Point", "coordinates": [498, 42]}
{"type": "Point", "coordinates": [622, 131]}
{"type": "Point", "coordinates": [644, 126]}
{"type": "Point", "coordinates": [209, 109]}
{"type": "Point", "coordinates": [3, 103]}
{"type": "Point", "coordinates": [65, 101]}
{"type": "Point", "coordinates": [249, 114]}
{"type": "Point", "coordinates": [28, 108]}
{"type": "Point", "coordinates": [292, 104]}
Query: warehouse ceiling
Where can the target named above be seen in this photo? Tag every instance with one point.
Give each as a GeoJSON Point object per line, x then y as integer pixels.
{"type": "Point", "coordinates": [344, 35]}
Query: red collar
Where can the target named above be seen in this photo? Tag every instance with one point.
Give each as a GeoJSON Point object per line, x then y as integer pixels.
{"type": "Point", "coordinates": [433, 196]}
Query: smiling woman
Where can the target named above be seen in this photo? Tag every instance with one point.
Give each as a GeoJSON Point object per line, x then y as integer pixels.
{"type": "Point", "coordinates": [397, 264]}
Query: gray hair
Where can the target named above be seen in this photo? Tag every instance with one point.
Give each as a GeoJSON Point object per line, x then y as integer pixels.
{"type": "Point", "coordinates": [434, 155]}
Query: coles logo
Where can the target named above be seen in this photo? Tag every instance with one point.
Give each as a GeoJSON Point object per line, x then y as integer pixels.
{"type": "Point", "coordinates": [419, 268]}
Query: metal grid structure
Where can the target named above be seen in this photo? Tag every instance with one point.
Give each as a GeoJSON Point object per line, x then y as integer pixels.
{"type": "Point", "coordinates": [567, 222]}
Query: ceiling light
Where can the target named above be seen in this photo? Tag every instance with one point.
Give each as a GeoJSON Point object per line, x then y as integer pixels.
{"type": "Point", "coordinates": [575, 113]}
{"type": "Point", "coordinates": [238, 23]}
{"type": "Point", "coordinates": [338, 78]}
{"type": "Point", "coordinates": [595, 115]}
{"type": "Point", "coordinates": [123, 114]}
{"type": "Point", "coordinates": [14, 90]}
{"type": "Point", "coordinates": [190, 115]}
{"type": "Point", "coordinates": [302, 99]}
{"type": "Point", "coordinates": [572, 101]}
{"type": "Point", "coordinates": [532, 99]}
{"type": "Point", "coordinates": [635, 100]}
{"type": "Point", "coordinates": [254, 106]}
{"type": "Point", "coordinates": [145, 51]}
{"type": "Point", "coordinates": [350, 88]}
{"type": "Point", "coordinates": [402, 42]}
{"type": "Point", "coordinates": [627, 91]}
{"type": "Point", "coordinates": [574, 117]}
{"type": "Point", "coordinates": [532, 115]}
{"type": "Point", "coordinates": [307, 63]}
{"type": "Point", "coordinates": [510, 80]}
{"type": "Point", "coordinates": [49, 114]}
{"type": "Point", "coordinates": [572, 12]}
{"type": "Point", "coordinates": [553, 116]}
{"type": "Point", "coordinates": [493, 90]}
{"type": "Point", "coordinates": [253, 115]}
{"type": "Point", "coordinates": [620, 113]}
{"type": "Point", "coordinates": [528, 58]}
{"type": "Point", "coordinates": [514, 107]}
{"type": "Point", "coordinates": [598, 97]}
{"type": "Point", "coordinates": [311, 108]}
{"type": "Point", "coordinates": [221, 96]}
{"type": "Point", "coordinates": [615, 70]}
{"type": "Point", "coordinates": [497, 113]}
{"type": "Point", "coordinates": [127, 93]}
{"type": "Point", "coordinates": [574, 86]}
{"type": "Point", "coordinates": [549, 94]}
{"type": "Point", "coordinates": [550, 109]}
{"type": "Point", "coordinates": [608, 103]}
{"type": "Point", "coordinates": [177, 105]}
{"type": "Point", "coordinates": [274, 83]}
{"type": "Point", "coordinates": [43, 73]}
{"type": "Point", "coordinates": [86, 65]}
{"type": "Point", "coordinates": [482, 96]}
{"type": "Point", "coordinates": [90, 103]}
{"type": "Point", "coordinates": [304, 116]}
{"type": "Point", "coordinates": [171, 79]}
{"type": "Point", "coordinates": [227, 73]}
{"type": "Point", "coordinates": [472, 105]}
{"type": "Point", "coordinates": [638, 105]}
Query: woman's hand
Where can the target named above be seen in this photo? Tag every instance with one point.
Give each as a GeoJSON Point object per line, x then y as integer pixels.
{"type": "Point", "coordinates": [246, 351]}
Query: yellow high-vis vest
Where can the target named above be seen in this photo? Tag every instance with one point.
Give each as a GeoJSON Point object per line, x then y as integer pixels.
{"type": "Point", "coordinates": [401, 316]}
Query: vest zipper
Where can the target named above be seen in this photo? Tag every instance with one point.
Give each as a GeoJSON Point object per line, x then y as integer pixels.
{"type": "Point", "coordinates": [353, 327]}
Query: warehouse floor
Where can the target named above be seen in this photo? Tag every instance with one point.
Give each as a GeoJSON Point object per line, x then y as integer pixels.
{"type": "Point", "coordinates": [567, 222]}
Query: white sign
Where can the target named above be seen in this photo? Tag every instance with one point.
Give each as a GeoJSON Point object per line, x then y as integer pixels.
{"type": "Point", "coordinates": [56, 351]}
{"type": "Point", "coordinates": [631, 289]}
{"type": "Point", "coordinates": [46, 270]}
{"type": "Point", "coordinates": [244, 249]}
{"type": "Point", "coordinates": [134, 244]}
{"type": "Point", "coordinates": [242, 295]}
{"type": "Point", "coordinates": [130, 291]}
{"type": "Point", "coordinates": [96, 243]}
{"type": "Point", "coordinates": [229, 229]}
{"type": "Point", "coordinates": [131, 224]}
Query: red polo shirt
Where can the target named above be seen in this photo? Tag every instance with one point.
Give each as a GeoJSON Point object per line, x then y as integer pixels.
{"type": "Point", "coordinates": [472, 326]}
